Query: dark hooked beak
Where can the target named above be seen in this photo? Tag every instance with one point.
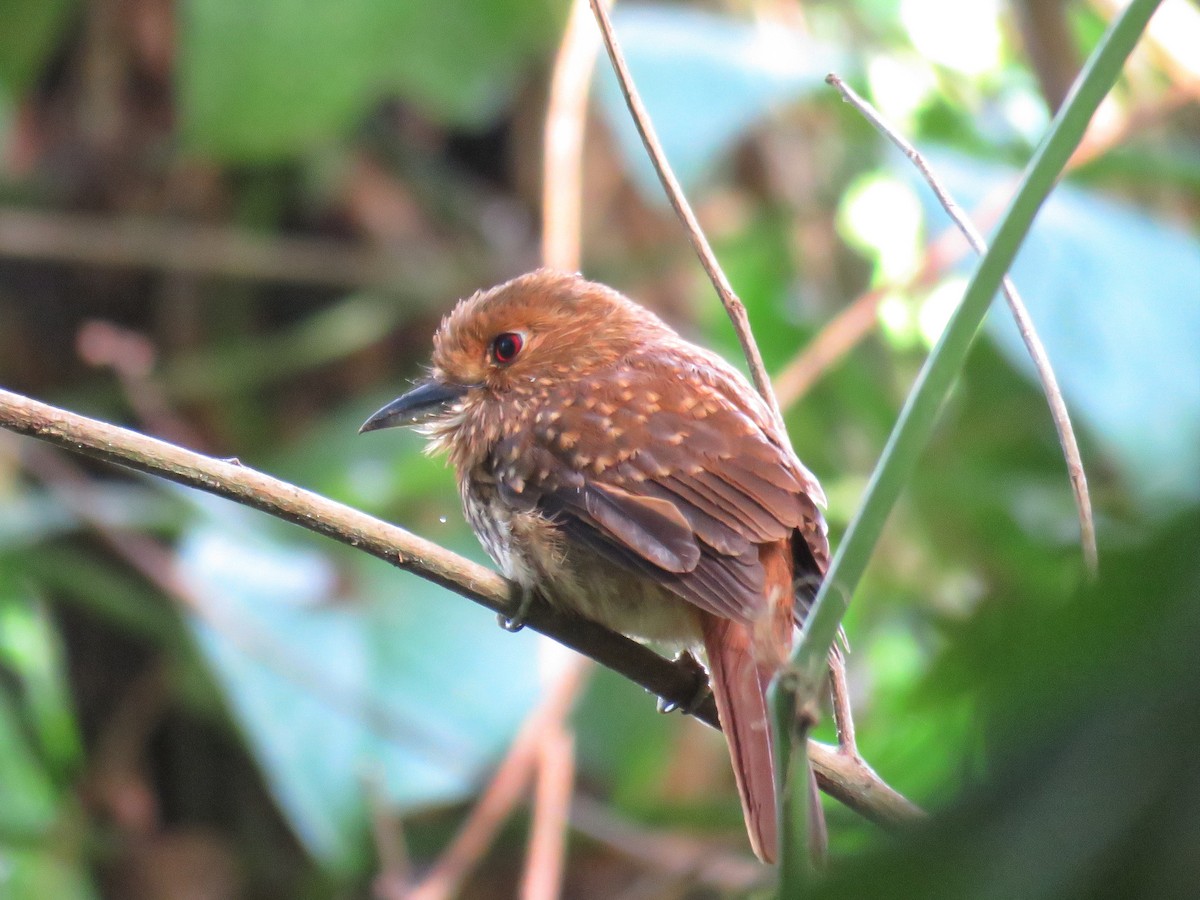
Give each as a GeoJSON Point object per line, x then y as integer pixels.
{"type": "Point", "coordinates": [423, 402]}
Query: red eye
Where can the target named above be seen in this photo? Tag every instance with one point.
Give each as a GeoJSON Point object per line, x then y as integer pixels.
{"type": "Point", "coordinates": [506, 347]}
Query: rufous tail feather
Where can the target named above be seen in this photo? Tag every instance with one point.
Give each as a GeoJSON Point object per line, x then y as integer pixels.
{"type": "Point", "coordinates": [739, 688]}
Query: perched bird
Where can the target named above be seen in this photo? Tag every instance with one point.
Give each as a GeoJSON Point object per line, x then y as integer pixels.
{"type": "Point", "coordinates": [635, 478]}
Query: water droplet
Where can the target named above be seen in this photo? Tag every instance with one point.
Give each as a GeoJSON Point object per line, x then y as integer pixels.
{"type": "Point", "coordinates": [442, 519]}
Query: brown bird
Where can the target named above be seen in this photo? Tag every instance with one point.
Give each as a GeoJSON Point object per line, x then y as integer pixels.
{"type": "Point", "coordinates": [634, 478]}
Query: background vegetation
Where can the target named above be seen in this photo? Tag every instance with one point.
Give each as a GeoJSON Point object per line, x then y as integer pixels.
{"type": "Point", "coordinates": [236, 225]}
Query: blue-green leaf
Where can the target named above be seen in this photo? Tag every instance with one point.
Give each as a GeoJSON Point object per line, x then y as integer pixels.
{"type": "Point", "coordinates": [1115, 296]}
{"type": "Point", "coordinates": [705, 79]}
{"type": "Point", "coordinates": [342, 673]}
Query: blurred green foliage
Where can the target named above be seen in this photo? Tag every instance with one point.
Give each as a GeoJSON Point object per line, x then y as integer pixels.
{"type": "Point", "coordinates": [1047, 721]}
{"type": "Point", "coordinates": [265, 81]}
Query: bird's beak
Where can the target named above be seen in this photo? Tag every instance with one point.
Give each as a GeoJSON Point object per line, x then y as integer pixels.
{"type": "Point", "coordinates": [423, 402]}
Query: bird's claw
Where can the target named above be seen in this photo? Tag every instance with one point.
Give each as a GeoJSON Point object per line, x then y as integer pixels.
{"type": "Point", "coordinates": [516, 622]}
{"type": "Point", "coordinates": [699, 695]}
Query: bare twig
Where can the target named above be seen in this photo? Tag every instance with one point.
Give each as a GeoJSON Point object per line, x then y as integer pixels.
{"type": "Point", "coordinates": [1033, 343]}
{"type": "Point", "coordinates": [672, 853]}
{"type": "Point", "coordinates": [544, 863]}
{"type": "Point", "coordinates": [733, 306]}
{"type": "Point", "coordinates": [206, 250]}
{"type": "Point", "coordinates": [843, 716]}
{"type": "Point", "coordinates": [856, 321]}
{"type": "Point", "coordinates": [503, 792]}
{"type": "Point", "coordinates": [841, 778]}
{"type": "Point", "coordinates": [242, 484]}
{"type": "Point", "coordinates": [395, 867]}
{"type": "Point", "coordinates": [562, 142]}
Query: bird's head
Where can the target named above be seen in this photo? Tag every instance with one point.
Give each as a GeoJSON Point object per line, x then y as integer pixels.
{"type": "Point", "coordinates": [514, 343]}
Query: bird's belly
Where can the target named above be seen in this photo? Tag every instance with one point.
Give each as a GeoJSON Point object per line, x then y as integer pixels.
{"type": "Point", "coordinates": [530, 550]}
{"type": "Point", "coordinates": [627, 602]}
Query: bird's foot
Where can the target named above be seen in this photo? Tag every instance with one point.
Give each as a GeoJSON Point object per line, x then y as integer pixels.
{"type": "Point", "coordinates": [516, 622]}
{"type": "Point", "coordinates": [699, 694]}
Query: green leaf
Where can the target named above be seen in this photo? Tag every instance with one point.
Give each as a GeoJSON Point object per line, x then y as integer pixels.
{"type": "Point", "coordinates": [27, 873]}
{"type": "Point", "coordinates": [29, 30]}
{"type": "Point", "coordinates": [30, 650]}
{"type": "Point", "coordinates": [268, 80]}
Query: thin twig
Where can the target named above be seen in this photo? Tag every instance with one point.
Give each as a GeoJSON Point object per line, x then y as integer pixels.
{"type": "Point", "coordinates": [395, 865]}
{"type": "Point", "coordinates": [1033, 343]}
{"type": "Point", "coordinates": [733, 306]}
{"type": "Point", "coordinates": [562, 141]}
{"type": "Point", "coordinates": [206, 250]}
{"type": "Point", "coordinates": [503, 792]}
{"type": "Point", "coordinates": [856, 321]}
{"type": "Point", "coordinates": [669, 852]}
{"type": "Point", "coordinates": [545, 861]}
{"type": "Point", "coordinates": [843, 715]}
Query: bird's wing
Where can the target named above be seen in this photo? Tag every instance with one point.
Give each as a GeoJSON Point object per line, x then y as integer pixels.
{"type": "Point", "coordinates": [661, 470]}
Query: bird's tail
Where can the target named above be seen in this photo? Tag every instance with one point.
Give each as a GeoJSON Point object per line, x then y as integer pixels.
{"type": "Point", "coordinates": [742, 661]}
{"type": "Point", "coordinates": [739, 686]}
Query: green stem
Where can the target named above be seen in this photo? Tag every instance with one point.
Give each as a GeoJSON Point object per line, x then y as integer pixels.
{"type": "Point", "coordinates": [917, 418]}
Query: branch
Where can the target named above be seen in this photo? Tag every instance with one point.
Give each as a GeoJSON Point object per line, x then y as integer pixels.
{"type": "Point", "coordinates": [843, 779]}
{"type": "Point", "coordinates": [508, 783]}
{"type": "Point", "coordinates": [562, 142]}
{"type": "Point", "coordinates": [206, 250]}
{"type": "Point", "coordinates": [1020, 314]}
{"type": "Point", "coordinates": [733, 306]}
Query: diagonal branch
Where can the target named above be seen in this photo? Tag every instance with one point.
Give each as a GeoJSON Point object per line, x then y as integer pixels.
{"type": "Point", "coordinates": [842, 778]}
{"type": "Point", "coordinates": [733, 305]}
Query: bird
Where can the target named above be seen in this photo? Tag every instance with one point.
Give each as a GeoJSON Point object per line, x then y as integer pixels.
{"type": "Point", "coordinates": [635, 479]}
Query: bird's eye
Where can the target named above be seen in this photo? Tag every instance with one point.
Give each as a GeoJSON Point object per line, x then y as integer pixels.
{"type": "Point", "coordinates": [506, 347]}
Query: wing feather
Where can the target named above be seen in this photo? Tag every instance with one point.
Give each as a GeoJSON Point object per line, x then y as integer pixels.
{"type": "Point", "coordinates": [669, 478]}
